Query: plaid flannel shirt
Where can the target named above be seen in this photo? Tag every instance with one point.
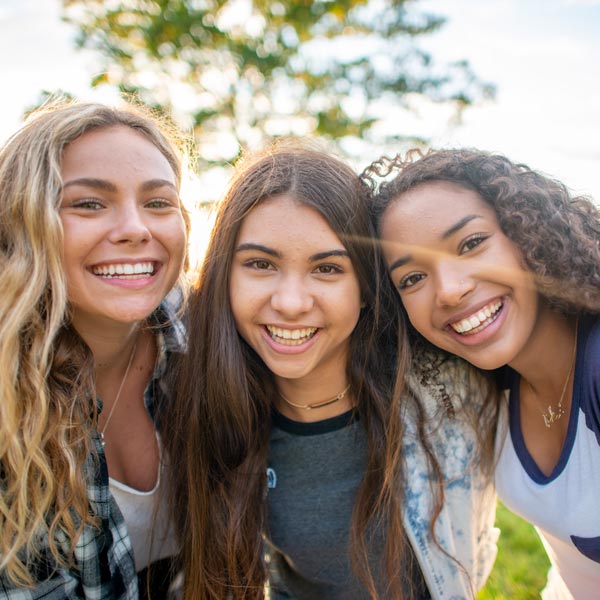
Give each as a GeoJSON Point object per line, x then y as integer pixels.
{"type": "Point", "coordinates": [105, 568]}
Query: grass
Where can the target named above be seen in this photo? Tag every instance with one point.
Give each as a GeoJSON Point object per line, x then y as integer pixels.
{"type": "Point", "coordinates": [521, 566]}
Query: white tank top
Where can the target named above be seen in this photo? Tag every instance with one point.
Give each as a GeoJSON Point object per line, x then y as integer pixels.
{"type": "Point", "coordinates": [152, 535]}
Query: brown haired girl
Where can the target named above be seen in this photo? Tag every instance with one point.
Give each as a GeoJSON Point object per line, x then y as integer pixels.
{"type": "Point", "coordinates": [498, 264]}
{"type": "Point", "coordinates": [300, 425]}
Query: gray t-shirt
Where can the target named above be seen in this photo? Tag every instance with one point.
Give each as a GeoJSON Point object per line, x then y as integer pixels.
{"type": "Point", "coordinates": [315, 470]}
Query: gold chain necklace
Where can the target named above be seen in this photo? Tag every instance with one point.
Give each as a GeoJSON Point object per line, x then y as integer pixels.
{"type": "Point", "coordinates": [551, 416]}
{"type": "Point", "coordinates": [112, 410]}
{"type": "Point", "coordinates": [317, 404]}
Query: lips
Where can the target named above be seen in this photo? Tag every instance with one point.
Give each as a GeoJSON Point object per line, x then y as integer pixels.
{"type": "Point", "coordinates": [291, 337]}
{"type": "Point", "coordinates": [479, 320]}
{"type": "Point", "coordinates": [135, 270]}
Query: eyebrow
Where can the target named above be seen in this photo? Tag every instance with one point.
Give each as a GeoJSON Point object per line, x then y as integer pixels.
{"type": "Point", "coordinates": [459, 225]}
{"type": "Point", "coordinates": [152, 184]}
{"type": "Point", "coordinates": [259, 248]}
{"type": "Point", "coordinates": [271, 252]}
{"type": "Point", "coordinates": [102, 184]}
{"type": "Point", "coordinates": [400, 262]}
{"type": "Point", "coordinates": [445, 235]}
{"type": "Point", "coordinates": [328, 254]}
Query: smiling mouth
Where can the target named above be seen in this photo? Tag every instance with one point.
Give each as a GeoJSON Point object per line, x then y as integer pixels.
{"type": "Point", "coordinates": [124, 270]}
{"type": "Point", "coordinates": [291, 337]}
{"type": "Point", "coordinates": [478, 320]}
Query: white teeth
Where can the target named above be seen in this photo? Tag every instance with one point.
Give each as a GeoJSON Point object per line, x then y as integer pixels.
{"type": "Point", "coordinates": [125, 270]}
{"type": "Point", "coordinates": [291, 337]}
{"type": "Point", "coordinates": [478, 321]}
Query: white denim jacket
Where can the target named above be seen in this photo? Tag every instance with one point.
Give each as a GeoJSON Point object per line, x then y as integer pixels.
{"type": "Point", "coordinates": [465, 527]}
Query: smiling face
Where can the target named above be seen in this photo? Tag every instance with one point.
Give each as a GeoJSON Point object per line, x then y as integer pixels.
{"type": "Point", "coordinates": [124, 234]}
{"type": "Point", "coordinates": [294, 294]}
{"type": "Point", "coordinates": [461, 280]}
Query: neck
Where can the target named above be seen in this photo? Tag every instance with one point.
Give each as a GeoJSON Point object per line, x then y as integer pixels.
{"type": "Point", "coordinates": [108, 344]}
{"type": "Point", "coordinates": [126, 375]}
{"type": "Point", "coordinates": [112, 349]}
{"type": "Point", "coordinates": [549, 355]}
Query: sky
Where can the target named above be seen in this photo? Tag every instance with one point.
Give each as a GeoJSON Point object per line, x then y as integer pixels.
{"type": "Point", "coordinates": [543, 56]}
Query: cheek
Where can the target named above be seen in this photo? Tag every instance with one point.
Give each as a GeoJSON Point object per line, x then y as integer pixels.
{"type": "Point", "coordinates": [352, 299]}
{"type": "Point", "coordinates": [419, 313]}
{"type": "Point", "coordinates": [529, 299]}
{"type": "Point", "coordinates": [73, 256]}
{"type": "Point", "coordinates": [243, 312]}
{"type": "Point", "coordinates": [178, 240]}
{"type": "Point", "coordinates": [240, 299]}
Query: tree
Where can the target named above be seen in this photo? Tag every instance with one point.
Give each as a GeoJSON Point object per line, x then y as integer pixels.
{"type": "Point", "coordinates": [239, 70]}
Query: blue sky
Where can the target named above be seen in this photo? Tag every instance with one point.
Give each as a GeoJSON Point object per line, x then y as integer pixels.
{"type": "Point", "coordinates": [543, 55]}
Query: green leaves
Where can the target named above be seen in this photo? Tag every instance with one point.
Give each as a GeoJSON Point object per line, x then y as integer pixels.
{"type": "Point", "coordinates": [251, 69]}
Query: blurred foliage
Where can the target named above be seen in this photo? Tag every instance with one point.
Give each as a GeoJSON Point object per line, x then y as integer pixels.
{"type": "Point", "coordinates": [239, 70]}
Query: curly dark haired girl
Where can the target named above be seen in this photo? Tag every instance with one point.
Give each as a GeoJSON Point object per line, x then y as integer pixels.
{"type": "Point", "coordinates": [557, 234]}
{"type": "Point", "coordinates": [498, 264]}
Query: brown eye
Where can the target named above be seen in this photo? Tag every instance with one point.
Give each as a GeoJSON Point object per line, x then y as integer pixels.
{"type": "Point", "coordinates": [259, 264]}
{"type": "Point", "coordinates": [410, 280]}
{"type": "Point", "coordinates": [472, 242]}
{"type": "Point", "coordinates": [328, 269]}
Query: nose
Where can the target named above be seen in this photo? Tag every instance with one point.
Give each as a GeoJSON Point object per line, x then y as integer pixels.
{"type": "Point", "coordinates": [130, 225]}
{"type": "Point", "coordinates": [292, 296]}
{"type": "Point", "coordinates": [452, 286]}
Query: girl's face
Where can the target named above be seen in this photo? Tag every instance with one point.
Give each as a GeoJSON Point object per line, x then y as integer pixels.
{"type": "Point", "coordinates": [462, 281]}
{"type": "Point", "coordinates": [124, 234]}
{"type": "Point", "coordinates": [294, 293]}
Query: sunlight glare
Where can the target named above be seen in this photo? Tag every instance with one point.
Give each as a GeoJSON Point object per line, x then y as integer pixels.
{"type": "Point", "coordinates": [200, 194]}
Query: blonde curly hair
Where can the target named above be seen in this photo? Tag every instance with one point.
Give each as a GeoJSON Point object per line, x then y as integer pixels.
{"type": "Point", "coordinates": [47, 408]}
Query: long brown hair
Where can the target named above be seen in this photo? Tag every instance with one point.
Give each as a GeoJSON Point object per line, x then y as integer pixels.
{"type": "Point", "coordinates": [47, 381]}
{"type": "Point", "coordinates": [220, 434]}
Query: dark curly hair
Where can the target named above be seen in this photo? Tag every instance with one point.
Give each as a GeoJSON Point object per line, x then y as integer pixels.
{"type": "Point", "coordinates": [558, 234]}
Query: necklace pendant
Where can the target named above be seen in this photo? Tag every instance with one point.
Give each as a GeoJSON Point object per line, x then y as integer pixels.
{"type": "Point", "coordinates": [552, 416]}
{"type": "Point", "coordinates": [547, 419]}
{"type": "Point", "coordinates": [102, 440]}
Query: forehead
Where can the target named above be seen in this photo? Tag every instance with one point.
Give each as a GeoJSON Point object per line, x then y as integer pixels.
{"type": "Point", "coordinates": [114, 150]}
{"type": "Point", "coordinates": [433, 207]}
{"type": "Point", "coordinates": [441, 194]}
{"type": "Point", "coordinates": [288, 221]}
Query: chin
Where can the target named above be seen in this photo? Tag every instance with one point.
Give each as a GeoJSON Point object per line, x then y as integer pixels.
{"type": "Point", "coordinates": [134, 315]}
{"type": "Point", "coordinates": [485, 363]}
